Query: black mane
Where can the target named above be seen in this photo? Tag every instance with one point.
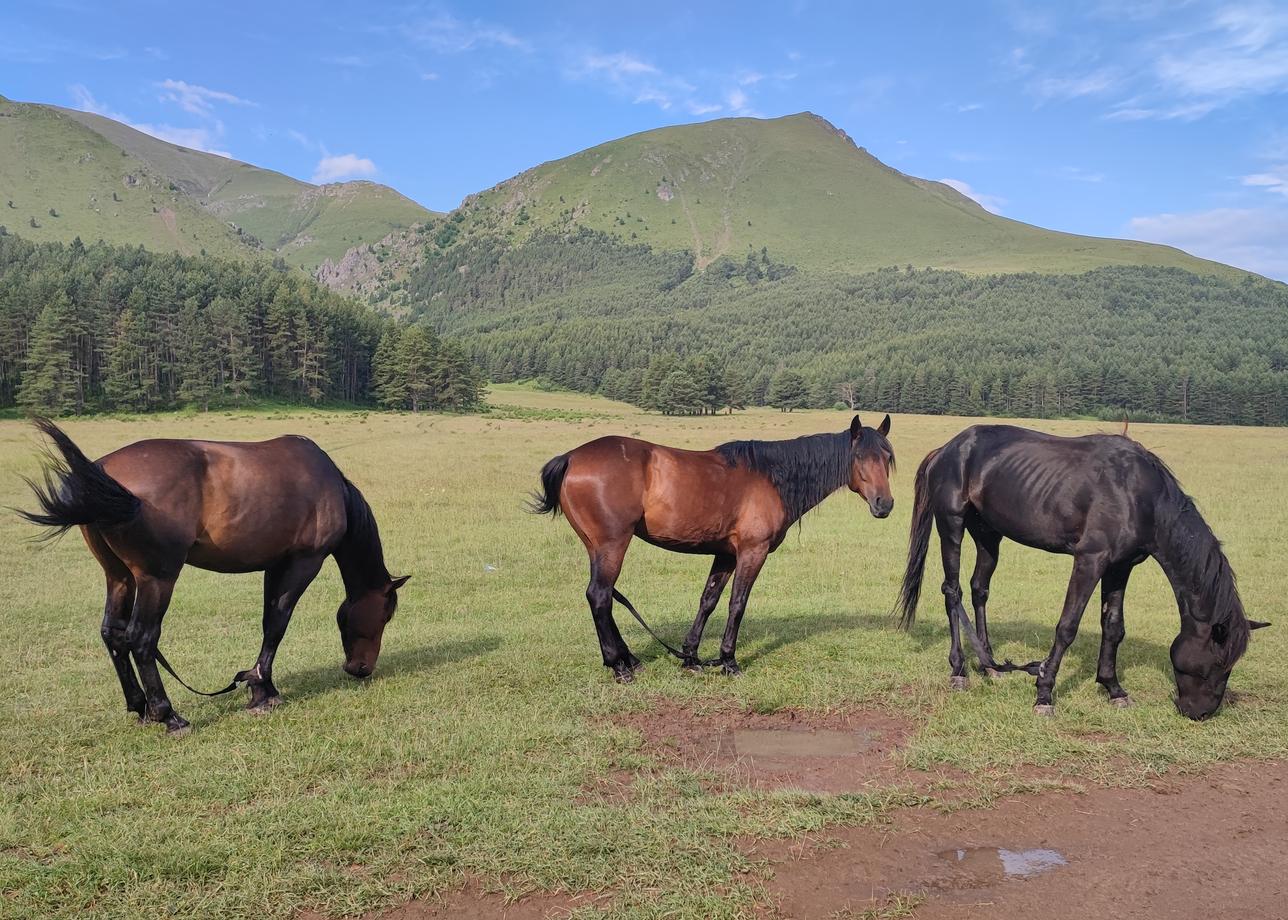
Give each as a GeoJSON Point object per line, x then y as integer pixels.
{"type": "Point", "coordinates": [361, 555]}
{"type": "Point", "coordinates": [1194, 553]}
{"type": "Point", "coordinates": [807, 469]}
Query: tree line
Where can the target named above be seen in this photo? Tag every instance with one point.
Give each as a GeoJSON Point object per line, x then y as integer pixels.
{"type": "Point", "coordinates": [590, 312]}
{"type": "Point", "coordinates": [100, 327]}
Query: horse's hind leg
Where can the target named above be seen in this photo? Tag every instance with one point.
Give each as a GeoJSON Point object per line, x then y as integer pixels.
{"type": "Point", "coordinates": [1112, 588]}
{"type": "Point", "coordinates": [950, 547]}
{"type": "Point", "coordinates": [116, 620]}
{"type": "Point", "coordinates": [284, 585]}
{"type": "Point", "coordinates": [721, 569]}
{"type": "Point", "coordinates": [987, 544]}
{"type": "Point", "coordinates": [750, 561]}
{"type": "Point", "coordinates": [605, 566]}
{"type": "Point", "coordinates": [151, 598]}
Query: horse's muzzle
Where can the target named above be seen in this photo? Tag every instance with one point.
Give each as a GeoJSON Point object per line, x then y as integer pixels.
{"type": "Point", "coordinates": [359, 669]}
{"type": "Point", "coordinates": [881, 507]}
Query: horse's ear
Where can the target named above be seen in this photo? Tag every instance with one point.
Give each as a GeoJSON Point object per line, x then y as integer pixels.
{"type": "Point", "coordinates": [884, 428]}
{"type": "Point", "coordinates": [396, 583]}
{"type": "Point", "coordinates": [1258, 624]}
{"type": "Point", "coordinates": [856, 428]}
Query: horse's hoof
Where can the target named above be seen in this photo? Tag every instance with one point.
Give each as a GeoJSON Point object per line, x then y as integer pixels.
{"type": "Point", "coordinates": [731, 669]}
{"type": "Point", "coordinates": [624, 676]}
{"type": "Point", "coordinates": [637, 665]}
{"type": "Point", "coordinates": [1122, 702]}
{"type": "Point", "coordinates": [693, 666]}
{"type": "Point", "coordinates": [958, 682]}
{"type": "Point", "coordinates": [264, 707]}
{"type": "Point", "coordinates": [1044, 709]}
{"type": "Point", "coordinates": [177, 728]}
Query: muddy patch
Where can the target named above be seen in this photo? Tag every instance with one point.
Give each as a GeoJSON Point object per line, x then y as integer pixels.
{"type": "Point", "coordinates": [849, 751]}
{"type": "Point", "coordinates": [1186, 847]}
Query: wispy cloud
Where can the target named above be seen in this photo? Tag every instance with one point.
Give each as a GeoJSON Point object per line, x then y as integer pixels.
{"type": "Point", "coordinates": [1274, 180]}
{"type": "Point", "coordinates": [343, 166]}
{"type": "Point", "coordinates": [197, 100]}
{"type": "Point", "coordinates": [1095, 83]}
{"type": "Point", "coordinates": [446, 34]}
{"type": "Point", "coordinates": [1251, 238]}
{"type": "Point", "coordinates": [203, 138]}
{"type": "Point", "coordinates": [992, 203]}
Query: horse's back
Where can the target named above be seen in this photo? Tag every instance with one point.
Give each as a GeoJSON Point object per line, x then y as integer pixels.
{"type": "Point", "coordinates": [1056, 493]}
{"type": "Point", "coordinates": [231, 506]}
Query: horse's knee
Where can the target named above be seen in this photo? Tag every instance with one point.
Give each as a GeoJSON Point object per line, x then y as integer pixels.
{"type": "Point", "coordinates": [978, 592]}
{"type": "Point", "coordinates": [952, 592]}
{"type": "Point", "coordinates": [598, 595]}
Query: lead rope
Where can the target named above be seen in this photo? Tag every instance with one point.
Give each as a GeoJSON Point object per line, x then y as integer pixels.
{"type": "Point", "coordinates": [239, 678]}
{"type": "Point", "coordinates": [660, 641]}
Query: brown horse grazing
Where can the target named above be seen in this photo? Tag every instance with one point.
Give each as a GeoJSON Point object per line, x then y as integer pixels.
{"type": "Point", "coordinates": [280, 507]}
{"type": "Point", "coordinates": [735, 502]}
{"type": "Point", "coordinates": [1107, 502]}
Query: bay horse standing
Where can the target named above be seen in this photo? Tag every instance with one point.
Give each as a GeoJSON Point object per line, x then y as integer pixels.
{"type": "Point", "coordinates": [1109, 503]}
{"type": "Point", "coordinates": [735, 503]}
{"type": "Point", "coordinates": [279, 506]}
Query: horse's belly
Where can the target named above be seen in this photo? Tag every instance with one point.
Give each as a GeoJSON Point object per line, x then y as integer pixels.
{"type": "Point", "coordinates": [215, 558]}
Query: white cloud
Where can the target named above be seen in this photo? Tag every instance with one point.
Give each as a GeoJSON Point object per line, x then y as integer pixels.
{"type": "Point", "coordinates": [702, 108]}
{"type": "Point", "coordinates": [448, 35]}
{"type": "Point", "coordinates": [1091, 84]}
{"type": "Point", "coordinates": [1275, 180]}
{"type": "Point", "coordinates": [1244, 49]}
{"type": "Point", "coordinates": [1251, 238]}
{"type": "Point", "coordinates": [1128, 111]}
{"type": "Point", "coordinates": [199, 138]}
{"type": "Point", "coordinates": [970, 107]}
{"type": "Point", "coordinates": [992, 203]}
{"type": "Point", "coordinates": [1078, 174]}
{"type": "Point", "coordinates": [617, 67]}
{"type": "Point", "coordinates": [343, 166]}
{"type": "Point", "coordinates": [197, 100]}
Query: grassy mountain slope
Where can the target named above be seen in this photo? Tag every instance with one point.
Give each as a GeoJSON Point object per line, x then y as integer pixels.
{"type": "Point", "coordinates": [798, 186]}
{"type": "Point", "coordinates": [63, 157]}
{"type": "Point", "coordinates": [95, 189]}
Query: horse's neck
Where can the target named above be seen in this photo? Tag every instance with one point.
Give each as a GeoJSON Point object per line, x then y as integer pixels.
{"type": "Point", "coordinates": [362, 563]}
{"type": "Point", "coordinates": [1190, 556]}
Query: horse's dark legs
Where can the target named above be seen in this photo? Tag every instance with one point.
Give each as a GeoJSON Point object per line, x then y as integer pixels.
{"type": "Point", "coordinates": [605, 566]}
{"type": "Point", "coordinates": [987, 544]}
{"type": "Point", "coordinates": [1087, 570]}
{"type": "Point", "coordinates": [721, 568]}
{"type": "Point", "coordinates": [151, 598]}
{"type": "Point", "coordinates": [284, 584]}
{"type": "Point", "coordinates": [116, 621]}
{"type": "Point", "coordinates": [744, 577]}
{"type": "Point", "coordinates": [1112, 588]}
{"type": "Point", "coordinates": [950, 548]}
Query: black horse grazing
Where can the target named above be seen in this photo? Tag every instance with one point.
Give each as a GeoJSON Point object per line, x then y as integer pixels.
{"type": "Point", "coordinates": [1109, 503]}
{"type": "Point", "coordinates": [280, 507]}
{"type": "Point", "coordinates": [736, 503]}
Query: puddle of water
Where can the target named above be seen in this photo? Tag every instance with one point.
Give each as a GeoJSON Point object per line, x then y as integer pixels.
{"type": "Point", "coordinates": [777, 742]}
{"type": "Point", "coordinates": [990, 864]}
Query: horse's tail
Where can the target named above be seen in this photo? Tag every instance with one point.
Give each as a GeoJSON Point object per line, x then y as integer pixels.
{"type": "Point", "coordinates": [552, 476]}
{"type": "Point", "coordinates": [918, 544]}
{"type": "Point", "coordinates": [76, 491]}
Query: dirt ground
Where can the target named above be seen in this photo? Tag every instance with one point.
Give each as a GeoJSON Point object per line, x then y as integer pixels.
{"type": "Point", "coordinates": [1188, 846]}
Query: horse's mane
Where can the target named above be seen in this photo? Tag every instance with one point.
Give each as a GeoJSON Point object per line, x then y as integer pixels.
{"type": "Point", "coordinates": [360, 554]}
{"type": "Point", "coordinates": [1196, 555]}
{"type": "Point", "coordinates": [807, 469]}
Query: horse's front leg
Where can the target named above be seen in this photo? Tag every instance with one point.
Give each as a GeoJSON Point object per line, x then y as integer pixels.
{"type": "Point", "coordinates": [1087, 570]}
{"type": "Point", "coordinates": [744, 577]}
{"type": "Point", "coordinates": [1112, 589]}
{"type": "Point", "coordinates": [721, 569]}
{"type": "Point", "coordinates": [284, 585]}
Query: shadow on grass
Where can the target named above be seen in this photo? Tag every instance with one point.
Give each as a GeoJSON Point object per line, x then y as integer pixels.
{"type": "Point", "coordinates": [325, 678]}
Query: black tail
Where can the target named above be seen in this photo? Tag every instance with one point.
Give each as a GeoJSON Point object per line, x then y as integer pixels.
{"type": "Point", "coordinates": [76, 491]}
{"type": "Point", "coordinates": [918, 544]}
{"type": "Point", "coordinates": [552, 476]}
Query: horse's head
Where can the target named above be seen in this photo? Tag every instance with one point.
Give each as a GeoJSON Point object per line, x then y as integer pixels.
{"type": "Point", "coordinates": [1203, 655]}
{"type": "Point", "coordinates": [871, 460]}
{"type": "Point", "coordinates": [362, 622]}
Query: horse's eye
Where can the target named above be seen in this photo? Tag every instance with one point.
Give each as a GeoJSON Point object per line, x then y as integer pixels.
{"type": "Point", "coordinates": [1220, 632]}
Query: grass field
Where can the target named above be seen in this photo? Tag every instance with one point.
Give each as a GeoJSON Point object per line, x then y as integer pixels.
{"type": "Point", "coordinates": [469, 754]}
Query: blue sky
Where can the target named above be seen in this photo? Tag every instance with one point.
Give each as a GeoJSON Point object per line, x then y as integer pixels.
{"type": "Point", "coordinates": [1165, 121]}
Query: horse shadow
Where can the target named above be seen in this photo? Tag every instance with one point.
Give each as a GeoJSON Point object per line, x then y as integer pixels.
{"type": "Point", "coordinates": [320, 680]}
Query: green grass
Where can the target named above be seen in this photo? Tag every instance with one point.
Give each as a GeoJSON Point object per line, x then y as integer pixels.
{"type": "Point", "coordinates": [799, 187]}
{"type": "Point", "coordinates": [468, 754]}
